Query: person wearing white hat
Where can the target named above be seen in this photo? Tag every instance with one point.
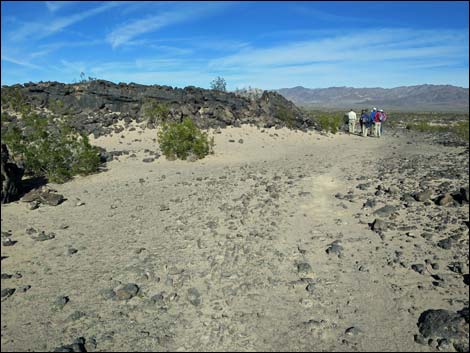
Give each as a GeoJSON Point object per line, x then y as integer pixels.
{"type": "Point", "coordinates": [384, 117]}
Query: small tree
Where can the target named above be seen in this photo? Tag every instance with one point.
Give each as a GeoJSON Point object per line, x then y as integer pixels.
{"type": "Point", "coordinates": [51, 147]}
{"type": "Point", "coordinates": [219, 84]}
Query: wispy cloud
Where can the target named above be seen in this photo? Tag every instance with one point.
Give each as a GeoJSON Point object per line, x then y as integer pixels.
{"type": "Point", "coordinates": [54, 6]}
{"type": "Point", "coordinates": [365, 46]}
{"type": "Point", "coordinates": [19, 62]}
{"type": "Point", "coordinates": [125, 33]}
{"type": "Point", "coordinates": [319, 15]}
{"type": "Point", "coordinates": [39, 30]}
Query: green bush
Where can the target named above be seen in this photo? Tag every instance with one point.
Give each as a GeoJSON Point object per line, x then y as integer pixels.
{"type": "Point", "coordinates": [14, 100]}
{"type": "Point", "coordinates": [329, 123]}
{"type": "Point", "coordinates": [50, 147]}
{"type": "Point", "coordinates": [180, 140]}
{"type": "Point", "coordinates": [462, 129]}
{"type": "Point", "coordinates": [285, 115]}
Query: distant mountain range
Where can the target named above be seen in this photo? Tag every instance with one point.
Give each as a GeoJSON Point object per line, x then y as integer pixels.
{"type": "Point", "coordinates": [406, 98]}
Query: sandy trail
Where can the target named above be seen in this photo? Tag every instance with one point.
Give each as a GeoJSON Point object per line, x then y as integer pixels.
{"type": "Point", "coordinates": [234, 226]}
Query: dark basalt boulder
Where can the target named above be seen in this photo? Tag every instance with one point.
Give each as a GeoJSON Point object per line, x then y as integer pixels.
{"type": "Point", "coordinates": [11, 177]}
{"type": "Point", "coordinates": [444, 324]}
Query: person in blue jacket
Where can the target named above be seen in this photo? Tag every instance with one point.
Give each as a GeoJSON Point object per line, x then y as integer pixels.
{"type": "Point", "coordinates": [372, 115]}
{"type": "Point", "coordinates": [365, 123]}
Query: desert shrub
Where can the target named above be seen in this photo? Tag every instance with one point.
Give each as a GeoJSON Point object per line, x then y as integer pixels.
{"type": "Point", "coordinates": [424, 126]}
{"type": "Point", "coordinates": [329, 123]}
{"type": "Point", "coordinates": [56, 106]}
{"type": "Point", "coordinates": [180, 140]}
{"type": "Point", "coordinates": [155, 113]}
{"type": "Point", "coordinates": [14, 100]}
{"type": "Point", "coordinates": [50, 147]}
{"type": "Point", "coordinates": [461, 129]}
{"type": "Point", "coordinates": [285, 115]}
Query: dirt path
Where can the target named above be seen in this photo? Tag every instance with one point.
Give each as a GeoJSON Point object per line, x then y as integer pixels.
{"type": "Point", "coordinates": [219, 250]}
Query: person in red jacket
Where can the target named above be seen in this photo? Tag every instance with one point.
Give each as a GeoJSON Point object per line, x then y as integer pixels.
{"type": "Point", "coordinates": [378, 122]}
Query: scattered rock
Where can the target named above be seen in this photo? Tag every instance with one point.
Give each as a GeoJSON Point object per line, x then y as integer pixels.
{"type": "Point", "coordinates": [445, 243]}
{"type": "Point", "coordinates": [423, 195]}
{"type": "Point", "coordinates": [304, 267]}
{"type": "Point", "coordinates": [456, 267]}
{"type": "Point", "coordinates": [444, 324]}
{"type": "Point", "coordinates": [76, 315]}
{"type": "Point", "coordinates": [127, 292]}
{"type": "Point", "coordinates": [9, 242]}
{"type": "Point", "coordinates": [77, 346]}
{"type": "Point", "coordinates": [24, 289]}
{"type": "Point", "coordinates": [108, 294]}
{"type": "Point", "coordinates": [43, 195]}
{"type": "Point", "coordinates": [157, 298]}
{"type": "Point", "coordinates": [194, 297]}
{"type": "Point", "coordinates": [385, 211]}
{"type": "Point", "coordinates": [335, 248]}
{"type": "Point", "coordinates": [352, 331]}
{"type": "Point", "coordinates": [61, 301]}
{"type": "Point", "coordinates": [418, 268]}
{"type": "Point", "coordinates": [7, 292]}
{"type": "Point", "coordinates": [148, 160]}
{"type": "Point", "coordinates": [444, 200]}
{"type": "Point", "coordinates": [43, 236]}
{"type": "Point", "coordinates": [310, 287]}
{"type": "Point", "coordinates": [465, 193]}
{"type": "Point", "coordinates": [379, 225]}
{"type": "Point", "coordinates": [71, 251]}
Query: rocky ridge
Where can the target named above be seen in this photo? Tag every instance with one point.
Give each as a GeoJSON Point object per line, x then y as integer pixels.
{"type": "Point", "coordinates": [97, 105]}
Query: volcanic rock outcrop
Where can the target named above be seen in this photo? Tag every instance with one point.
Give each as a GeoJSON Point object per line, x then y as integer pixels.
{"type": "Point", "coordinates": [96, 105]}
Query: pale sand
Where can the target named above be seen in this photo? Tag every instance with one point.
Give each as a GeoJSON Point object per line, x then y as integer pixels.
{"type": "Point", "coordinates": [243, 264]}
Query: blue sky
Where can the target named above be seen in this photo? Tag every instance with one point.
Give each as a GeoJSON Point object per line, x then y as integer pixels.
{"type": "Point", "coordinates": [260, 44]}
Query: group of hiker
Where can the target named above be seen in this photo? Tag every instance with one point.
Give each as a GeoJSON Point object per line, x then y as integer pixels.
{"type": "Point", "coordinates": [370, 122]}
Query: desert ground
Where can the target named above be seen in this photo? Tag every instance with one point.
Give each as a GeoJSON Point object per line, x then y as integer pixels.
{"type": "Point", "coordinates": [266, 245]}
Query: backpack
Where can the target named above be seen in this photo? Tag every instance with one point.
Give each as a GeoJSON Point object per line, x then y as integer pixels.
{"type": "Point", "coordinates": [378, 117]}
{"type": "Point", "coordinates": [384, 116]}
